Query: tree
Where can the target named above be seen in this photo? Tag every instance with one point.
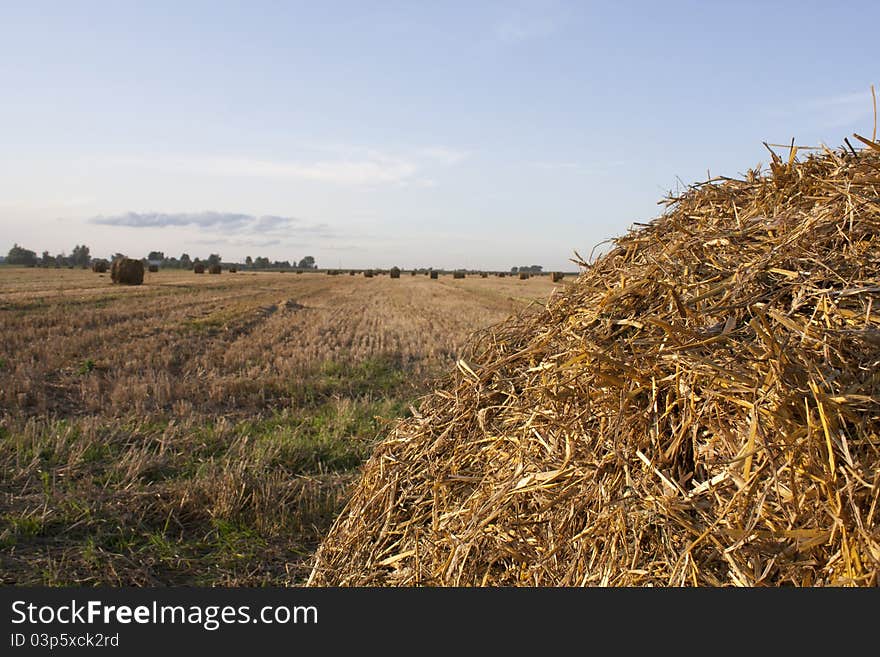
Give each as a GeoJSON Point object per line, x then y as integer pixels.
{"type": "Point", "coordinates": [307, 263]}
{"type": "Point", "coordinates": [156, 255]}
{"type": "Point", "coordinates": [46, 260]}
{"type": "Point", "coordinates": [213, 259]}
{"type": "Point", "coordinates": [514, 270]}
{"type": "Point", "coordinates": [248, 262]}
{"type": "Point", "coordinates": [80, 256]}
{"type": "Point", "coordinates": [185, 261]}
{"type": "Point", "coordinates": [20, 256]}
{"type": "Point", "coordinates": [61, 260]}
{"type": "Point", "coordinates": [262, 262]}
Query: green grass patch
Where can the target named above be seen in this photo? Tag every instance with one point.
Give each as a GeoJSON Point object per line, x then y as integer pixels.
{"type": "Point", "coordinates": [204, 501]}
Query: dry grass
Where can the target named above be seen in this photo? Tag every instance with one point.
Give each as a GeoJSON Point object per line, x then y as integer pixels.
{"type": "Point", "coordinates": [204, 430]}
{"type": "Point", "coordinates": [701, 407]}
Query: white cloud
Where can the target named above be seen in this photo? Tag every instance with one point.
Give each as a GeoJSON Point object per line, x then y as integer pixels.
{"type": "Point", "coordinates": [232, 222]}
{"type": "Point", "coordinates": [861, 98]}
{"type": "Point", "coordinates": [244, 243]}
{"type": "Point", "coordinates": [448, 156]}
{"type": "Point", "coordinates": [530, 21]}
{"type": "Point", "coordinates": [580, 168]}
{"type": "Point", "coordinates": [372, 171]}
{"type": "Point", "coordinates": [352, 168]}
{"type": "Point", "coordinates": [833, 111]}
{"type": "Point", "coordinates": [517, 30]}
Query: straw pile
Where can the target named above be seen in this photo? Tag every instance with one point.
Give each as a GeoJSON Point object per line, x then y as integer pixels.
{"type": "Point", "coordinates": [127, 271]}
{"type": "Point", "coordinates": [700, 407]}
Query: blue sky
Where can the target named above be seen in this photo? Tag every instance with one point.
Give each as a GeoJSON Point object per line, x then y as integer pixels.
{"type": "Point", "coordinates": [449, 134]}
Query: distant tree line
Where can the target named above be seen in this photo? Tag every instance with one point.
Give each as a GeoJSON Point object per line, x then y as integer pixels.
{"type": "Point", "coordinates": [530, 269]}
{"type": "Point", "coordinates": [81, 257]}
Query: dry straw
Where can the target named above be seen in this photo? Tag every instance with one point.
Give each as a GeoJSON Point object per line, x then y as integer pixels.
{"type": "Point", "coordinates": [127, 271]}
{"type": "Point", "coordinates": [700, 407]}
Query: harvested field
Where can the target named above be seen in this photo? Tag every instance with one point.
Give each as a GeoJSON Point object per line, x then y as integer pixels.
{"type": "Point", "coordinates": [700, 408]}
{"type": "Point", "coordinates": [205, 429]}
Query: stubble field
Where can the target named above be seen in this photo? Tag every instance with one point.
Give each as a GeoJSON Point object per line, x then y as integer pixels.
{"type": "Point", "coordinates": [204, 430]}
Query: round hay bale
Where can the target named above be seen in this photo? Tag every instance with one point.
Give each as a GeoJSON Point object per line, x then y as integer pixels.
{"type": "Point", "coordinates": [458, 274]}
{"type": "Point", "coordinates": [700, 407]}
{"type": "Point", "coordinates": [100, 266]}
{"type": "Point", "coordinates": [233, 270]}
{"type": "Point", "coordinates": [153, 268]}
{"type": "Point", "coordinates": [199, 268]}
{"type": "Point", "coordinates": [214, 269]}
{"type": "Point", "coordinates": [523, 276]}
{"type": "Point", "coordinates": [127, 271]}
{"type": "Point", "coordinates": [558, 276]}
{"type": "Point", "coordinates": [368, 274]}
{"type": "Point", "coordinates": [395, 272]}
{"type": "Point", "coordinates": [434, 275]}
{"type": "Point", "coordinates": [484, 275]}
